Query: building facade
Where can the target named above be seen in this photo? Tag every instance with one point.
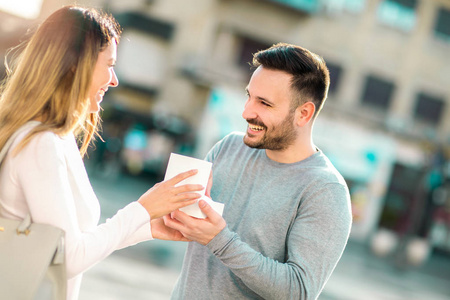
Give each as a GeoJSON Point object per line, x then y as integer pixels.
{"type": "Point", "coordinates": [183, 67]}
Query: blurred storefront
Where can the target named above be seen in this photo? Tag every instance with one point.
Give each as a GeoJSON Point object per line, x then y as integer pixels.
{"type": "Point", "coordinates": [183, 69]}
{"type": "Point", "coordinates": [397, 184]}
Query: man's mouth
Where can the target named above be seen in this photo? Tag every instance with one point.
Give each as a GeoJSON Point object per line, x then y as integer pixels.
{"type": "Point", "coordinates": [102, 92]}
{"type": "Point", "coordinates": [255, 127]}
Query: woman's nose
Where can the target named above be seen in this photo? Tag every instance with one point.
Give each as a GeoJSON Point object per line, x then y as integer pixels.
{"type": "Point", "coordinates": [114, 81]}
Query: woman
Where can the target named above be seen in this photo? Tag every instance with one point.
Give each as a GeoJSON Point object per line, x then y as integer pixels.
{"type": "Point", "coordinates": [56, 88]}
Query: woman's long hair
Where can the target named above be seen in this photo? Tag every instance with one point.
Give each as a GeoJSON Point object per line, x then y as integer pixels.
{"type": "Point", "coordinates": [50, 79]}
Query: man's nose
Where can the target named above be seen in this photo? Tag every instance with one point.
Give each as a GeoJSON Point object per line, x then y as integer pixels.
{"type": "Point", "coordinates": [249, 112]}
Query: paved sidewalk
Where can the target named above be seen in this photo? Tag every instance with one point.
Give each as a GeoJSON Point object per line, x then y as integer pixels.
{"type": "Point", "coordinates": [359, 276]}
{"type": "Point", "coordinates": [149, 270]}
{"type": "Point", "coordinates": [122, 278]}
{"type": "Point", "coordinates": [363, 276]}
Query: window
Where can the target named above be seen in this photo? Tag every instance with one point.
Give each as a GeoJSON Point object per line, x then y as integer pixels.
{"type": "Point", "coordinates": [400, 14]}
{"type": "Point", "coordinates": [309, 6]}
{"type": "Point", "coordinates": [429, 108]}
{"type": "Point", "coordinates": [442, 27]}
{"type": "Point", "coordinates": [143, 51]}
{"type": "Point", "coordinates": [335, 76]}
{"type": "Point", "coordinates": [248, 48]}
{"type": "Point", "coordinates": [28, 9]}
{"type": "Point", "coordinates": [377, 92]}
{"type": "Point", "coordinates": [142, 59]}
{"type": "Point", "coordinates": [337, 6]}
{"type": "Point", "coordinates": [147, 24]}
{"type": "Point", "coordinates": [354, 6]}
{"type": "Point", "coordinates": [401, 198]}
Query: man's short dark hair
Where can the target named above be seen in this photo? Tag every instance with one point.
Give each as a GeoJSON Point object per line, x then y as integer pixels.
{"type": "Point", "coordinates": [310, 75]}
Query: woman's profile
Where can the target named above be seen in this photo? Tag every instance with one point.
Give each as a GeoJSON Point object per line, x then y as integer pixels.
{"type": "Point", "coordinates": [55, 88]}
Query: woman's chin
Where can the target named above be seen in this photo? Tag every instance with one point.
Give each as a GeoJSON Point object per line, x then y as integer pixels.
{"type": "Point", "coordinates": [94, 108]}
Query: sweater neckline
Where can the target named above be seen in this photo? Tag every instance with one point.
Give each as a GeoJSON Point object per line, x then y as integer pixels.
{"type": "Point", "coordinates": [305, 161]}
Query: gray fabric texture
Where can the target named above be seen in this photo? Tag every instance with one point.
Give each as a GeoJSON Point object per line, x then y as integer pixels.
{"type": "Point", "coordinates": [287, 226]}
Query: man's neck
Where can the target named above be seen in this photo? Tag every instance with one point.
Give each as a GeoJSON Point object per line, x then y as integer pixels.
{"type": "Point", "coordinates": [294, 153]}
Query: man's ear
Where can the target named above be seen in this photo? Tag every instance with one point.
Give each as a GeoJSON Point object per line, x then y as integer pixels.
{"type": "Point", "coordinates": [304, 114]}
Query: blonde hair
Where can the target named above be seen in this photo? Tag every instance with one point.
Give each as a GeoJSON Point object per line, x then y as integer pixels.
{"type": "Point", "coordinates": [50, 79]}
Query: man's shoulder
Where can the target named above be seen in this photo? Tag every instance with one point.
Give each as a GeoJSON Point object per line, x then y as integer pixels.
{"type": "Point", "coordinates": [235, 136]}
{"type": "Point", "coordinates": [228, 147]}
{"type": "Point", "coordinates": [330, 173]}
{"type": "Point", "coordinates": [233, 139]}
{"type": "Point", "coordinates": [323, 170]}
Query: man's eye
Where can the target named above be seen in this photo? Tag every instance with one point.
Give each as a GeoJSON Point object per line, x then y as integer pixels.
{"type": "Point", "coordinates": [265, 103]}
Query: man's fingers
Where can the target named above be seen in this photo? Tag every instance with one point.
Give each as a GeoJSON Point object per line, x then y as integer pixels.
{"type": "Point", "coordinates": [208, 210]}
{"type": "Point", "coordinates": [209, 185]}
{"type": "Point", "coordinates": [180, 216]}
{"type": "Point", "coordinates": [172, 223]}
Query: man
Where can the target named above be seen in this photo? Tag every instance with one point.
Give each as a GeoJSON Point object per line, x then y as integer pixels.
{"type": "Point", "coordinates": [287, 210]}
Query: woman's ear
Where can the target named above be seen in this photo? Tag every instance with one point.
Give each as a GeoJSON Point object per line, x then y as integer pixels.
{"type": "Point", "coordinates": [304, 113]}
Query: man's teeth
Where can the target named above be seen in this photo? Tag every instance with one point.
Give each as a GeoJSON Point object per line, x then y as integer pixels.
{"type": "Point", "coordinates": [255, 127]}
{"type": "Point", "coordinates": [102, 93]}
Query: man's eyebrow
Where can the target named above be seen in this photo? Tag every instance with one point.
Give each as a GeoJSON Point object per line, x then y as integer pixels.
{"type": "Point", "coordinates": [260, 98]}
{"type": "Point", "coordinates": [265, 100]}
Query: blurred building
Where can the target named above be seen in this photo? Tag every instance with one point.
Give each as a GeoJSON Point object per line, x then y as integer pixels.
{"type": "Point", "coordinates": [183, 67]}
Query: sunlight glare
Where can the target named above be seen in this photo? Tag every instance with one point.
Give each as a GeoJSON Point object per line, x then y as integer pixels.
{"type": "Point", "coordinates": [28, 9]}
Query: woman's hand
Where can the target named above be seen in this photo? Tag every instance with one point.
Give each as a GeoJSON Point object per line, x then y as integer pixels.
{"type": "Point", "coordinates": [201, 231]}
{"type": "Point", "coordinates": [165, 197]}
{"type": "Point", "coordinates": [162, 232]}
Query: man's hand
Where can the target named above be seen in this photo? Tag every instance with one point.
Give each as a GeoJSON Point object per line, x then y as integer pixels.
{"type": "Point", "coordinates": [209, 185]}
{"type": "Point", "coordinates": [200, 230]}
{"type": "Point", "coordinates": [165, 197]}
{"type": "Point", "coordinates": [162, 232]}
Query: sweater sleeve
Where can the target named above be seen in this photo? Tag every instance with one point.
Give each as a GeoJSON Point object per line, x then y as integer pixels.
{"type": "Point", "coordinates": [315, 243]}
{"type": "Point", "coordinates": [43, 176]}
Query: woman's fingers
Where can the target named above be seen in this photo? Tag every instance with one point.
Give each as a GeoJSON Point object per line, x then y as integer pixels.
{"type": "Point", "coordinates": [187, 188]}
{"type": "Point", "coordinates": [182, 176]}
{"type": "Point", "coordinates": [184, 203]}
{"type": "Point", "coordinates": [165, 197]}
{"type": "Point", "coordinates": [186, 196]}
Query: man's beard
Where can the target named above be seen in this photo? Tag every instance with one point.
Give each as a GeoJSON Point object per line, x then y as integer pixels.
{"type": "Point", "coordinates": [279, 138]}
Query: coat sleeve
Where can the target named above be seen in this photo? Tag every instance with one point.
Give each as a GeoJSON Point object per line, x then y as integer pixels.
{"type": "Point", "coordinates": [315, 243]}
{"type": "Point", "coordinates": [42, 174]}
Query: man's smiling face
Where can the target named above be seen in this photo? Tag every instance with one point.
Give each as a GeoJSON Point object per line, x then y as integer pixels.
{"type": "Point", "coordinates": [268, 110]}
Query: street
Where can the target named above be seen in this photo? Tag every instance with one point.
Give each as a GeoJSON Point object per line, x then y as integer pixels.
{"type": "Point", "coordinates": [149, 270]}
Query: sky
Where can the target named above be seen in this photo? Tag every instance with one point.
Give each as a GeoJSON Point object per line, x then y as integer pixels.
{"type": "Point", "coordinates": [28, 9]}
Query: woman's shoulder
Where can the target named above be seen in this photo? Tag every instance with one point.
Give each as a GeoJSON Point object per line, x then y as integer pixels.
{"type": "Point", "coordinates": [44, 149]}
{"type": "Point", "coordinates": [44, 143]}
{"type": "Point", "coordinates": [42, 138]}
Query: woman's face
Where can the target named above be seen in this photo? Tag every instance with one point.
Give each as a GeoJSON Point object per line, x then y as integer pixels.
{"type": "Point", "coordinates": [103, 77]}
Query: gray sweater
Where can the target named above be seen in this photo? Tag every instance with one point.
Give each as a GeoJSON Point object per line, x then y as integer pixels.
{"type": "Point", "coordinates": [287, 226]}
